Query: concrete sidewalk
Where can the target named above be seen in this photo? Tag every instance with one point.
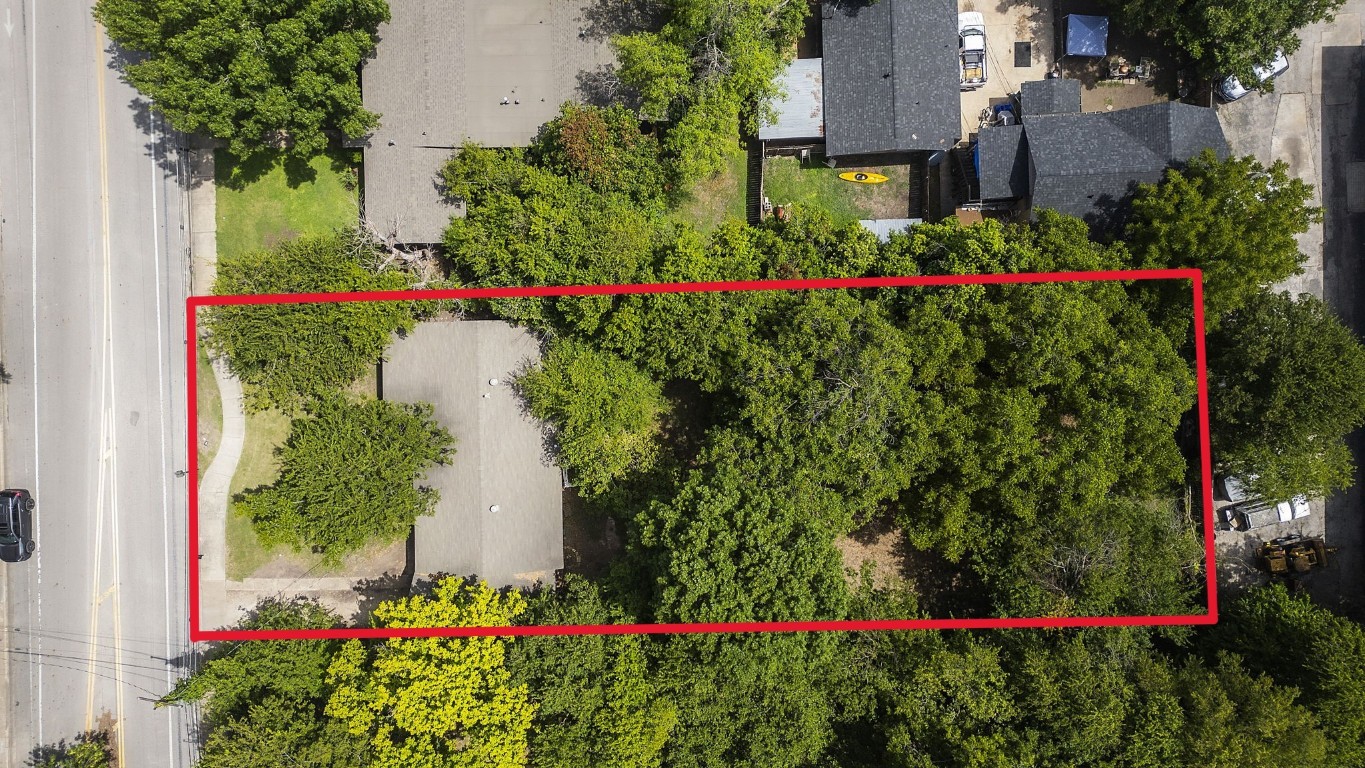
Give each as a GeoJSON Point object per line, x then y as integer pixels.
{"type": "Point", "coordinates": [214, 498]}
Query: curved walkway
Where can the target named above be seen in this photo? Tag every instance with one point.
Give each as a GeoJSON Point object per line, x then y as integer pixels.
{"type": "Point", "coordinates": [214, 492]}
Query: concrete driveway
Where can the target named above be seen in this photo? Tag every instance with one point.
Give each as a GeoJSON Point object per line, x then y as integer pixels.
{"type": "Point", "coordinates": [1008, 22]}
{"type": "Point", "coordinates": [1312, 121]}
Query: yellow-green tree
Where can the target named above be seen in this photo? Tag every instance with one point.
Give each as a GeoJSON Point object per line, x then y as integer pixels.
{"type": "Point", "coordinates": [435, 702]}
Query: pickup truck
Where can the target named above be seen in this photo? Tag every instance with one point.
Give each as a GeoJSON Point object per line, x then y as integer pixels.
{"type": "Point", "coordinates": [971, 49]}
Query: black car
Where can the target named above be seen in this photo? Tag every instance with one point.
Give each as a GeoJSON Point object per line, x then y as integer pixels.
{"type": "Point", "coordinates": [16, 525]}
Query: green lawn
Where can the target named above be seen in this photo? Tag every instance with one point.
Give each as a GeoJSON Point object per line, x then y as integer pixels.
{"type": "Point", "coordinates": [786, 181]}
{"type": "Point", "coordinates": [273, 207]}
{"type": "Point", "coordinates": [712, 201]}
{"type": "Point", "coordinates": [264, 433]}
{"type": "Point", "coordinates": [209, 407]}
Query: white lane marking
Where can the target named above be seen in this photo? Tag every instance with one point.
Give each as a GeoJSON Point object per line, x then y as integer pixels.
{"type": "Point", "coordinates": [165, 425]}
{"type": "Point", "coordinates": [36, 596]}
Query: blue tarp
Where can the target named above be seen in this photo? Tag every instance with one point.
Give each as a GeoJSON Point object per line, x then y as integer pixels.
{"type": "Point", "coordinates": [1087, 35]}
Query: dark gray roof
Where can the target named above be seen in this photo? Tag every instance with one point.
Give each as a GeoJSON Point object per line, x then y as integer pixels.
{"type": "Point", "coordinates": [891, 76]}
{"type": "Point", "coordinates": [1082, 164]}
{"type": "Point", "coordinates": [1053, 96]}
{"type": "Point", "coordinates": [499, 454]}
{"type": "Point", "coordinates": [1002, 155]}
{"type": "Point", "coordinates": [1080, 158]}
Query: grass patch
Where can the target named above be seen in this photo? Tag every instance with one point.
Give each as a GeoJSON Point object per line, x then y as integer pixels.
{"type": "Point", "coordinates": [711, 201]}
{"type": "Point", "coordinates": [786, 182]}
{"type": "Point", "coordinates": [265, 432]}
{"type": "Point", "coordinates": [209, 407]}
{"type": "Point", "coordinates": [263, 203]}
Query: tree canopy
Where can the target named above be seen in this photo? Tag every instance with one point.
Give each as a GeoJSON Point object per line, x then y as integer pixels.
{"type": "Point", "coordinates": [1234, 219]}
{"type": "Point", "coordinates": [287, 354]}
{"type": "Point", "coordinates": [258, 74]}
{"type": "Point", "coordinates": [605, 412]}
{"type": "Point", "coordinates": [708, 71]}
{"type": "Point", "coordinates": [1226, 38]}
{"type": "Point", "coordinates": [1286, 386]}
{"type": "Point", "coordinates": [348, 477]}
{"type": "Point", "coordinates": [435, 701]}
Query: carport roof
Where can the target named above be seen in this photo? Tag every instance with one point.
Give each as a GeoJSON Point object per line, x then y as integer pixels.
{"type": "Point", "coordinates": [891, 76]}
{"type": "Point", "coordinates": [499, 454]}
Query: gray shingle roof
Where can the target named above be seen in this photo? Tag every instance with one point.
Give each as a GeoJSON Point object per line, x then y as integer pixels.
{"type": "Point", "coordinates": [415, 82]}
{"type": "Point", "coordinates": [499, 454]}
{"type": "Point", "coordinates": [1088, 164]}
{"type": "Point", "coordinates": [1078, 159]}
{"type": "Point", "coordinates": [891, 76]}
{"type": "Point", "coordinates": [800, 112]}
{"type": "Point", "coordinates": [440, 74]}
{"type": "Point", "coordinates": [1053, 96]}
{"type": "Point", "coordinates": [1002, 154]}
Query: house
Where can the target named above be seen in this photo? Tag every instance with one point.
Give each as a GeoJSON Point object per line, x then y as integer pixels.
{"type": "Point", "coordinates": [1086, 164]}
{"type": "Point", "coordinates": [884, 89]}
{"type": "Point", "coordinates": [500, 513]}
{"type": "Point", "coordinates": [446, 72]}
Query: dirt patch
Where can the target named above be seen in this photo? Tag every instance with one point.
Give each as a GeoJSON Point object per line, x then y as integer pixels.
{"type": "Point", "coordinates": [883, 546]}
{"type": "Point", "coordinates": [591, 542]}
{"type": "Point", "coordinates": [944, 589]}
{"type": "Point", "coordinates": [286, 234]}
{"type": "Point", "coordinates": [372, 562]}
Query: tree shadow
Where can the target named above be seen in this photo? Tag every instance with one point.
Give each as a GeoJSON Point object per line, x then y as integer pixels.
{"type": "Point", "coordinates": [602, 19]}
{"type": "Point", "coordinates": [602, 87]}
{"type": "Point", "coordinates": [64, 753]}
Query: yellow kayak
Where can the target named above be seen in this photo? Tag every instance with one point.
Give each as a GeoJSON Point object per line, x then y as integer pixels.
{"type": "Point", "coordinates": [862, 177]}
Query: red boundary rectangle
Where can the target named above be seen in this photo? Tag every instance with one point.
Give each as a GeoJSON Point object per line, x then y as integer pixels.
{"type": "Point", "coordinates": [1206, 472]}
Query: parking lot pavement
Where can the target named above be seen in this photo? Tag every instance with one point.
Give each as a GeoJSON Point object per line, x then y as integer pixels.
{"type": "Point", "coordinates": [1313, 122]}
{"type": "Point", "coordinates": [1008, 22]}
{"type": "Point", "coordinates": [1237, 550]}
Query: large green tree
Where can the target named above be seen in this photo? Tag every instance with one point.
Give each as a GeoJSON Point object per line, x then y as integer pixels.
{"type": "Point", "coordinates": [597, 702]}
{"type": "Point", "coordinates": [605, 412]}
{"type": "Point", "coordinates": [435, 701]}
{"type": "Point", "coordinates": [1222, 37]}
{"type": "Point", "coordinates": [1286, 385]}
{"type": "Point", "coordinates": [1304, 645]}
{"type": "Point", "coordinates": [708, 72]}
{"type": "Point", "coordinates": [262, 701]}
{"type": "Point", "coordinates": [348, 475]}
{"type": "Point", "coordinates": [287, 354]}
{"type": "Point", "coordinates": [259, 74]}
{"type": "Point", "coordinates": [1234, 219]}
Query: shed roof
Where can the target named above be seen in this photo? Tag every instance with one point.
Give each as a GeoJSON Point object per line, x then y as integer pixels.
{"type": "Point", "coordinates": [884, 228]}
{"type": "Point", "coordinates": [890, 76]}
{"type": "Point", "coordinates": [499, 454]}
{"type": "Point", "coordinates": [801, 110]}
{"type": "Point", "coordinates": [1053, 96]}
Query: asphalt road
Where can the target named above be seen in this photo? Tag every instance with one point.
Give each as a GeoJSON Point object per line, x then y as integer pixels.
{"type": "Point", "coordinates": [91, 333]}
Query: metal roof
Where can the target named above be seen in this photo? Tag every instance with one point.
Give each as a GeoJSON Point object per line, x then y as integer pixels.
{"type": "Point", "coordinates": [801, 110]}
